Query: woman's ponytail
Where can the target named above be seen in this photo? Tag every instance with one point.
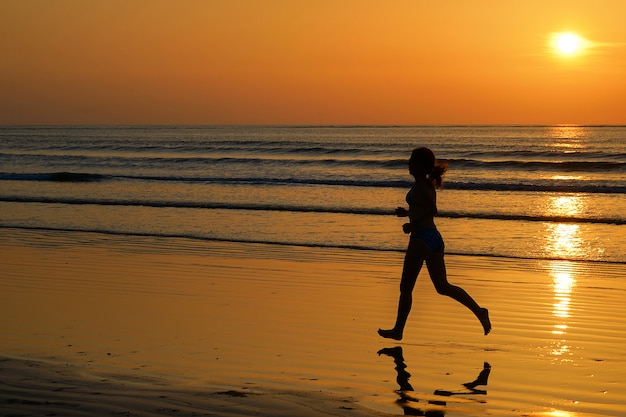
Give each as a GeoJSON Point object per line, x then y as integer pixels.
{"type": "Point", "coordinates": [436, 175]}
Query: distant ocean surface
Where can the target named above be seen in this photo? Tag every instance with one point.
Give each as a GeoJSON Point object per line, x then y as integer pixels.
{"type": "Point", "coordinates": [538, 192]}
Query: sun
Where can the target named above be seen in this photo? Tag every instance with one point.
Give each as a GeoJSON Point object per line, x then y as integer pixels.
{"type": "Point", "coordinates": [567, 43]}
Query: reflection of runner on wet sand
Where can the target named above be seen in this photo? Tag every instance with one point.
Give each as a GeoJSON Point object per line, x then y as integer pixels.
{"type": "Point", "coordinates": [398, 359]}
{"type": "Point", "coordinates": [407, 401]}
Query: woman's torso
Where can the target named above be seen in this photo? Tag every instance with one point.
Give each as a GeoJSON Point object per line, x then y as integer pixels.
{"type": "Point", "coordinates": [422, 201]}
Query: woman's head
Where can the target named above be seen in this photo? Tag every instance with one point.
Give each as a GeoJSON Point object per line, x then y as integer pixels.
{"type": "Point", "coordinates": [424, 164]}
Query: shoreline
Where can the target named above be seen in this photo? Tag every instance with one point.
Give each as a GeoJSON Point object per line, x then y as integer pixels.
{"type": "Point", "coordinates": [298, 327]}
{"type": "Point", "coordinates": [103, 234]}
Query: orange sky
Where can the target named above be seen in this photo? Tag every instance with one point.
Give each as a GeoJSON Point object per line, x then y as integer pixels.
{"type": "Point", "coordinates": [309, 62]}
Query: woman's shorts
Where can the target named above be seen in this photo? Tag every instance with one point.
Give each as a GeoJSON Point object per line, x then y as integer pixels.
{"type": "Point", "coordinates": [431, 237]}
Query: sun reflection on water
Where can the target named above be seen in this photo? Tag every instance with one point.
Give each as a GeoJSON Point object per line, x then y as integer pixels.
{"type": "Point", "coordinates": [566, 205]}
{"type": "Point", "coordinates": [564, 240]}
{"type": "Point", "coordinates": [563, 281]}
{"type": "Point", "coordinates": [561, 177]}
{"type": "Point", "coordinates": [562, 284]}
{"type": "Point", "coordinates": [569, 138]}
{"type": "Point", "coordinates": [560, 413]}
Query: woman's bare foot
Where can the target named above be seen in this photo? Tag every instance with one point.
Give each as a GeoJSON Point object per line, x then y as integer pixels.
{"type": "Point", "coordinates": [391, 334]}
{"type": "Point", "coordinates": [483, 316]}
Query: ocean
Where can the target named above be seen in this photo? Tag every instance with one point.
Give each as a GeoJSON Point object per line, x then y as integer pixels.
{"type": "Point", "coordinates": [533, 192]}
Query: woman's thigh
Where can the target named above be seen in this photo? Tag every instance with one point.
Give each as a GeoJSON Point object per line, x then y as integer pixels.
{"type": "Point", "coordinates": [416, 253]}
{"type": "Point", "coordinates": [437, 270]}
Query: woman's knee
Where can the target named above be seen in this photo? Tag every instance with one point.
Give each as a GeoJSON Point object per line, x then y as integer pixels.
{"type": "Point", "coordinates": [445, 289]}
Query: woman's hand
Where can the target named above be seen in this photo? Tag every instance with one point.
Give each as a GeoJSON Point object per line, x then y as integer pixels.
{"type": "Point", "coordinates": [402, 212]}
{"type": "Point", "coordinates": [406, 227]}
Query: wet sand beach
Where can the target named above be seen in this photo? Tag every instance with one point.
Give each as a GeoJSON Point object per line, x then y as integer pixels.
{"type": "Point", "coordinates": [98, 324]}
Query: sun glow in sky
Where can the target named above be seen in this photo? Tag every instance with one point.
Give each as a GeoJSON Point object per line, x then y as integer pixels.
{"type": "Point", "coordinates": [311, 62]}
